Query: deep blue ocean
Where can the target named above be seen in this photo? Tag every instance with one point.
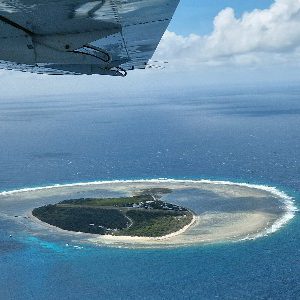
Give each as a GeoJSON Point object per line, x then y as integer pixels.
{"type": "Point", "coordinates": [242, 134]}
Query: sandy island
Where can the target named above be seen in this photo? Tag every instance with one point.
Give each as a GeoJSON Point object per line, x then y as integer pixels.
{"type": "Point", "coordinates": [223, 211]}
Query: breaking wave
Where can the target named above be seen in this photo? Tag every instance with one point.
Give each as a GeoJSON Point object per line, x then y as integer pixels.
{"type": "Point", "coordinates": [288, 202]}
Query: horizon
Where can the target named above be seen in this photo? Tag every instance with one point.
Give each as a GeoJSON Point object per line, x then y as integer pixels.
{"type": "Point", "coordinates": [195, 49]}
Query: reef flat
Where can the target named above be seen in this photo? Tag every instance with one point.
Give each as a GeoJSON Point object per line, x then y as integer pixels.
{"type": "Point", "coordinates": [222, 211]}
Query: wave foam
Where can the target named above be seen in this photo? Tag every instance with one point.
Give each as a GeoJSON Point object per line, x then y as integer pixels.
{"type": "Point", "coordinates": [289, 202]}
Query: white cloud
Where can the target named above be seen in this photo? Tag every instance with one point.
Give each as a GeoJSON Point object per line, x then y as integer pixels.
{"type": "Point", "coordinates": [258, 37]}
{"type": "Point", "coordinates": [260, 46]}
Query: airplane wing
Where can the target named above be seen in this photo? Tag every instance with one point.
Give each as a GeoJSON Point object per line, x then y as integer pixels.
{"type": "Point", "coordinates": [107, 37]}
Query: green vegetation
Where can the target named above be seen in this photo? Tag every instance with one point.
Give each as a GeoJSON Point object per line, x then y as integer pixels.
{"type": "Point", "coordinates": [82, 219]}
{"type": "Point", "coordinates": [140, 215]}
{"type": "Point", "coordinates": [158, 192]}
{"type": "Point", "coordinates": [155, 223]}
{"type": "Point", "coordinates": [118, 202]}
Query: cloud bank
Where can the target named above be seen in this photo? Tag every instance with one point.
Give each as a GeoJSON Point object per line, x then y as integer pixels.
{"type": "Point", "coordinates": [259, 37]}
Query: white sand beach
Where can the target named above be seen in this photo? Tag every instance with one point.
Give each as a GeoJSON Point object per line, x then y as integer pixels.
{"type": "Point", "coordinates": [223, 211]}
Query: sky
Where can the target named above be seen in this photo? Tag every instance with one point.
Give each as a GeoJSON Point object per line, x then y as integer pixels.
{"type": "Point", "coordinates": [248, 36]}
{"type": "Point", "coordinates": [216, 43]}
{"type": "Point", "coordinates": [196, 16]}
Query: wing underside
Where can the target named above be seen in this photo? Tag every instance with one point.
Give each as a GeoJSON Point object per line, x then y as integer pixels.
{"type": "Point", "coordinates": [106, 37]}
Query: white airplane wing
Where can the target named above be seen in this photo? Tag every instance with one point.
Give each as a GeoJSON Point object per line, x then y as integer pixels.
{"type": "Point", "coordinates": [107, 37]}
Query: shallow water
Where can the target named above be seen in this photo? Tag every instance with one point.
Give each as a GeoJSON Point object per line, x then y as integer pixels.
{"type": "Point", "coordinates": [241, 135]}
{"type": "Point", "coordinates": [222, 211]}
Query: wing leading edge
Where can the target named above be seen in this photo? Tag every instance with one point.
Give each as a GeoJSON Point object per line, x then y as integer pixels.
{"type": "Point", "coordinates": [107, 37]}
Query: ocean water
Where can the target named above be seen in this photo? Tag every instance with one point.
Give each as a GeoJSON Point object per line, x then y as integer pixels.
{"type": "Point", "coordinates": [240, 134]}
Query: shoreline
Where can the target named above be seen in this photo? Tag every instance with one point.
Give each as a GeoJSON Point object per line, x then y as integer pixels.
{"type": "Point", "coordinates": [36, 220]}
{"type": "Point", "coordinates": [166, 241]}
{"type": "Point", "coordinates": [207, 227]}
